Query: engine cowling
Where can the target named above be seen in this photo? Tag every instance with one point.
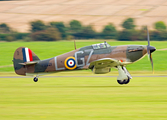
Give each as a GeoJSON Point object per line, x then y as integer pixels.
{"type": "Point", "coordinates": [101, 70]}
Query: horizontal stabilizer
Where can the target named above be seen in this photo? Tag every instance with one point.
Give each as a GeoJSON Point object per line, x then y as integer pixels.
{"type": "Point", "coordinates": [29, 63]}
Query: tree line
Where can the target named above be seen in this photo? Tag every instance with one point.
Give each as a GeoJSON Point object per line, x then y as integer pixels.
{"type": "Point", "coordinates": [54, 31]}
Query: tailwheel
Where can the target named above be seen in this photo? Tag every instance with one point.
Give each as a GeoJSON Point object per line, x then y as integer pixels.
{"type": "Point", "coordinates": [35, 79]}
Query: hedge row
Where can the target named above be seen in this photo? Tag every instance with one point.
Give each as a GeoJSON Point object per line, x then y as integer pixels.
{"type": "Point", "coordinates": [75, 30]}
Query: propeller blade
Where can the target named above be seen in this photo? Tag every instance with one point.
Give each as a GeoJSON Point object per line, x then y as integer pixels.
{"type": "Point", "coordinates": [150, 49]}
{"type": "Point", "coordinates": [151, 60]}
{"type": "Point", "coordinates": [148, 40]}
{"type": "Point", "coordinates": [148, 56]}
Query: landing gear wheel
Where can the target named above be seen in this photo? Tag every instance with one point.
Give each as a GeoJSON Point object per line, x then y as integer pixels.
{"type": "Point", "coordinates": [35, 79]}
{"type": "Point", "coordinates": [121, 82]}
{"type": "Point", "coordinates": [125, 81]}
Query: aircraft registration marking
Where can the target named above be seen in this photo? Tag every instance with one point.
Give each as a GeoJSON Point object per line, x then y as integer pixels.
{"type": "Point", "coordinates": [56, 67]}
{"type": "Point", "coordinates": [90, 51]}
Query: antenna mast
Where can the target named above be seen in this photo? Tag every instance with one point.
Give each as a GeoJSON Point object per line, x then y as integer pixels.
{"type": "Point", "coordinates": [74, 45]}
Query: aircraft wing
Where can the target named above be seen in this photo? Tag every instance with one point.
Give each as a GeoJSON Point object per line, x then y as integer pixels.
{"type": "Point", "coordinates": [103, 63]}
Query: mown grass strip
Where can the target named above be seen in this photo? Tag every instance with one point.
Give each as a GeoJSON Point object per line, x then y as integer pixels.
{"type": "Point", "coordinates": [83, 98]}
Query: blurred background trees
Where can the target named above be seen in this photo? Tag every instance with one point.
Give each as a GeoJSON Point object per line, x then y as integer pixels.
{"type": "Point", "coordinates": [60, 27]}
{"type": "Point", "coordinates": [37, 26]}
{"type": "Point", "coordinates": [128, 33]}
{"type": "Point", "coordinates": [53, 31]}
{"type": "Point", "coordinates": [4, 28]}
{"type": "Point", "coordinates": [160, 26]}
{"type": "Point", "coordinates": [7, 34]}
{"type": "Point", "coordinates": [128, 24]}
{"type": "Point", "coordinates": [109, 32]}
{"type": "Point", "coordinates": [49, 34]}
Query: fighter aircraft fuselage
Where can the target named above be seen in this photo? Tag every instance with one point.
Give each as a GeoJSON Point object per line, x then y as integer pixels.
{"type": "Point", "coordinates": [81, 58]}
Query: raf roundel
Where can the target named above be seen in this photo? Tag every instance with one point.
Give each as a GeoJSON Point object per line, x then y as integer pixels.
{"type": "Point", "coordinates": [70, 63]}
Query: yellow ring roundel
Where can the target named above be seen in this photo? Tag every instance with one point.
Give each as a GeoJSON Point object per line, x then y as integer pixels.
{"type": "Point", "coordinates": [70, 63]}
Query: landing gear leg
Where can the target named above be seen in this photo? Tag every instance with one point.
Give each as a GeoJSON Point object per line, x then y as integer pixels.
{"type": "Point", "coordinates": [124, 76]}
{"type": "Point", "coordinates": [35, 79]}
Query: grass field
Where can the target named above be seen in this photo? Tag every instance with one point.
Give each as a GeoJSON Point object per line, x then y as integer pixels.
{"type": "Point", "coordinates": [83, 98]}
{"type": "Point", "coordinates": [46, 50]}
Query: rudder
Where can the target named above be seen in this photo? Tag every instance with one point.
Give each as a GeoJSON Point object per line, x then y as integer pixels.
{"type": "Point", "coordinates": [23, 55]}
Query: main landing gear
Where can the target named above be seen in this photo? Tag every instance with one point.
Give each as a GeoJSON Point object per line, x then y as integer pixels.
{"type": "Point", "coordinates": [124, 76]}
{"type": "Point", "coordinates": [35, 79]}
{"type": "Point", "coordinates": [125, 81]}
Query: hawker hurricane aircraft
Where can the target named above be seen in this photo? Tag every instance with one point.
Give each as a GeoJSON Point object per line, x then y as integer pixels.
{"type": "Point", "coordinates": [100, 58]}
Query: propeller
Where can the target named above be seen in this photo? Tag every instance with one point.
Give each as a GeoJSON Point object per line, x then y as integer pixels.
{"type": "Point", "coordinates": [150, 49]}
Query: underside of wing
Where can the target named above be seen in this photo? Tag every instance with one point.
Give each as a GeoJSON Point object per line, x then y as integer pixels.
{"type": "Point", "coordinates": [103, 63]}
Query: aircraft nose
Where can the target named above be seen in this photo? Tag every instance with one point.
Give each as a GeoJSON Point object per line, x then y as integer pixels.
{"type": "Point", "coordinates": [152, 49]}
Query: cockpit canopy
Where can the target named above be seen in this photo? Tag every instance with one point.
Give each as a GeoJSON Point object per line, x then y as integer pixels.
{"type": "Point", "coordinates": [101, 45]}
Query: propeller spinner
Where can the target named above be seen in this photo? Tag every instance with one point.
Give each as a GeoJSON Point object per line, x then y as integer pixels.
{"type": "Point", "coordinates": [150, 49]}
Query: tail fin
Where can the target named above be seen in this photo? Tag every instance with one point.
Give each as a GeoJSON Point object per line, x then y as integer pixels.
{"type": "Point", "coordinates": [23, 55]}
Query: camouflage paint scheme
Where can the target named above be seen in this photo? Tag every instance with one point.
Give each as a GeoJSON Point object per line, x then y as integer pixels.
{"type": "Point", "coordinates": [125, 55]}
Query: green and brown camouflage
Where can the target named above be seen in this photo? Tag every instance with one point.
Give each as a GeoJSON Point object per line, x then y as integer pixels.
{"type": "Point", "coordinates": [78, 59]}
{"type": "Point", "coordinates": [18, 58]}
{"type": "Point", "coordinates": [100, 58]}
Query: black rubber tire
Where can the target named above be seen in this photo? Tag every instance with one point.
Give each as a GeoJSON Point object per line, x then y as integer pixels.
{"type": "Point", "coordinates": [35, 79]}
{"type": "Point", "coordinates": [121, 82]}
{"type": "Point", "coordinates": [127, 81]}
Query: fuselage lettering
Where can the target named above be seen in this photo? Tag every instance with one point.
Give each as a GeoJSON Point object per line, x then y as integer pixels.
{"type": "Point", "coordinates": [80, 57]}
{"type": "Point", "coordinates": [56, 67]}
